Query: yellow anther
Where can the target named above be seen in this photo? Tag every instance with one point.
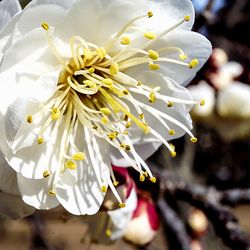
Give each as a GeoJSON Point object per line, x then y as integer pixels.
{"type": "Point", "coordinates": [94, 127]}
{"type": "Point", "coordinates": [171, 132]}
{"type": "Point", "coordinates": [139, 83]}
{"type": "Point", "coordinates": [52, 192]}
{"type": "Point", "coordinates": [150, 14]}
{"type": "Point", "coordinates": [145, 174]}
{"type": "Point", "coordinates": [70, 165]}
{"type": "Point", "coordinates": [112, 136]}
{"type": "Point", "coordinates": [105, 120]}
{"type": "Point", "coordinates": [193, 63]}
{"type": "Point", "coordinates": [122, 205]}
{"type": "Point", "coordinates": [115, 183]}
{"type": "Point", "coordinates": [55, 113]}
{"type": "Point", "coordinates": [89, 83]}
{"type": "Point", "coordinates": [40, 140]}
{"type": "Point", "coordinates": [146, 128]}
{"type": "Point", "coordinates": [193, 139]}
{"type": "Point", "coordinates": [108, 232]}
{"type": "Point", "coordinates": [87, 53]}
{"type": "Point", "coordinates": [125, 92]}
{"type": "Point", "coordinates": [91, 70]}
{"type": "Point", "coordinates": [101, 52]}
{"type": "Point", "coordinates": [153, 179]}
{"type": "Point", "coordinates": [125, 146]}
{"type": "Point", "coordinates": [170, 104]}
{"type": "Point", "coordinates": [152, 97]}
{"type": "Point", "coordinates": [153, 54]}
{"type": "Point", "coordinates": [104, 189]}
{"type": "Point", "coordinates": [125, 40]}
{"type": "Point", "coordinates": [202, 102]}
{"type": "Point", "coordinates": [105, 111]}
{"type": "Point", "coordinates": [128, 125]}
{"type": "Point", "coordinates": [173, 153]}
{"type": "Point", "coordinates": [150, 35]}
{"type": "Point", "coordinates": [107, 81]}
{"type": "Point", "coordinates": [125, 118]}
{"type": "Point", "coordinates": [153, 66]}
{"type": "Point", "coordinates": [183, 56]}
{"type": "Point", "coordinates": [187, 18]}
{"type": "Point", "coordinates": [29, 118]}
{"type": "Point", "coordinates": [142, 177]}
{"type": "Point", "coordinates": [79, 156]}
{"type": "Point", "coordinates": [45, 25]}
{"type": "Point", "coordinates": [141, 116]}
{"type": "Point", "coordinates": [114, 68]}
{"type": "Point", "coordinates": [125, 132]}
{"type": "Point", "coordinates": [46, 174]}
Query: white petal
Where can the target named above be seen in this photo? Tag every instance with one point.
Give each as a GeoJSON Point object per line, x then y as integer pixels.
{"type": "Point", "coordinates": [79, 191]}
{"type": "Point", "coordinates": [8, 8]}
{"type": "Point", "coordinates": [13, 207]}
{"type": "Point", "coordinates": [121, 217]}
{"type": "Point", "coordinates": [8, 180]}
{"type": "Point", "coordinates": [35, 192]}
{"type": "Point", "coordinates": [169, 12]}
{"type": "Point", "coordinates": [96, 21]}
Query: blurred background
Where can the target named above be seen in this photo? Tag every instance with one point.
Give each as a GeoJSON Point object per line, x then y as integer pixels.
{"type": "Point", "coordinates": [205, 190]}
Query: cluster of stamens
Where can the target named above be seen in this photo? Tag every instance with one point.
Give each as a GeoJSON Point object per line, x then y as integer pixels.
{"type": "Point", "coordinates": [94, 92]}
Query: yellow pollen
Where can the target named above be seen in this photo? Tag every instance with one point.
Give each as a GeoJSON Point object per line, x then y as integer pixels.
{"type": "Point", "coordinates": [153, 54]}
{"type": "Point", "coordinates": [52, 192]}
{"type": "Point", "coordinates": [46, 174]}
{"type": "Point", "coordinates": [104, 189]}
{"type": "Point", "coordinates": [55, 113]}
{"type": "Point", "coordinates": [79, 156]}
{"type": "Point", "coordinates": [101, 52]}
{"type": "Point", "coordinates": [153, 179]}
{"type": "Point", "coordinates": [171, 132]}
{"type": "Point", "coordinates": [29, 118]}
{"type": "Point", "coordinates": [45, 25]}
{"type": "Point", "coordinates": [150, 14]}
{"type": "Point", "coordinates": [153, 66]}
{"type": "Point", "coordinates": [112, 136]}
{"type": "Point", "coordinates": [115, 183]}
{"type": "Point", "coordinates": [114, 68]}
{"type": "Point", "coordinates": [141, 116]}
{"type": "Point", "coordinates": [125, 92]}
{"type": "Point", "coordinates": [152, 97]}
{"type": "Point", "coordinates": [40, 140]}
{"type": "Point", "coordinates": [105, 120]}
{"type": "Point", "coordinates": [87, 53]}
{"type": "Point", "coordinates": [202, 102]}
{"type": "Point", "coordinates": [107, 81]}
{"type": "Point", "coordinates": [105, 111]}
{"type": "Point", "coordinates": [125, 40]}
{"type": "Point", "coordinates": [139, 83]}
{"type": "Point", "coordinates": [70, 165]}
{"type": "Point", "coordinates": [187, 18]}
{"type": "Point", "coordinates": [108, 232]}
{"type": "Point", "coordinates": [150, 35]}
{"type": "Point", "coordinates": [193, 63]}
{"type": "Point", "coordinates": [183, 56]}
{"type": "Point", "coordinates": [170, 104]}
{"type": "Point", "coordinates": [122, 205]}
{"type": "Point", "coordinates": [89, 83]}
{"type": "Point", "coordinates": [173, 153]}
{"type": "Point", "coordinates": [91, 70]}
{"type": "Point", "coordinates": [142, 178]}
{"type": "Point", "coordinates": [125, 146]}
{"type": "Point", "coordinates": [193, 139]}
{"type": "Point", "coordinates": [128, 125]}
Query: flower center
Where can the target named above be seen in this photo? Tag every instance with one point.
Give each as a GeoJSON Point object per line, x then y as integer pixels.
{"type": "Point", "coordinates": [94, 92]}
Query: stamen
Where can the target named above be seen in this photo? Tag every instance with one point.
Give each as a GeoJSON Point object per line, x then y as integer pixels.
{"type": "Point", "coordinates": [29, 119]}
{"type": "Point", "coordinates": [153, 66]}
{"type": "Point", "coordinates": [40, 140]}
{"type": "Point", "coordinates": [202, 102]}
{"type": "Point", "coordinates": [70, 165]}
{"type": "Point", "coordinates": [193, 63]}
{"type": "Point", "coordinates": [55, 114]}
{"type": "Point", "coordinates": [150, 14]}
{"type": "Point", "coordinates": [114, 68]}
{"type": "Point", "coordinates": [46, 174]}
{"type": "Point", "coordinates": [150, 35]}
{"type": "Point", "coordinates": [153, 54]}
{"type": "Point", "coordinates": [125, 40]}
{"type": "Point", "coordinates": [79, 156]}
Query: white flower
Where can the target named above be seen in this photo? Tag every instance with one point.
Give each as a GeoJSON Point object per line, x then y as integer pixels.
{"type": "Point", "coordinates": [234, 101]}
{"type": "Point", "coordinates": [71, 89]}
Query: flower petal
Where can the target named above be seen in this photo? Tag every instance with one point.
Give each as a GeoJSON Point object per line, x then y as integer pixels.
{"type": "Point", "coordinates": [8, 180]}
{"type": "Point", "coordinates": [8, 8]}
{"type": "Point", "coordinates": [13, 207]}
{"type": "Point", "coordinates": [35, 192]}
